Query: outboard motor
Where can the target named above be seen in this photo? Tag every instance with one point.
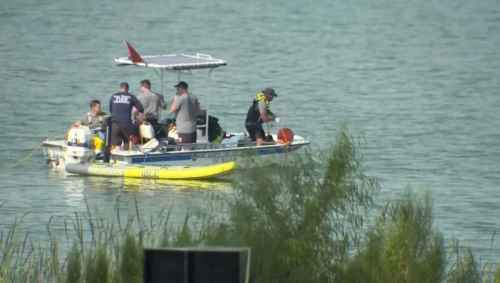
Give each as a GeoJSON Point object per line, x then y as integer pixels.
{"type": "Point", "coordinates": [79, 139]}
{"type": "Point", "coordinates": [79, 136]}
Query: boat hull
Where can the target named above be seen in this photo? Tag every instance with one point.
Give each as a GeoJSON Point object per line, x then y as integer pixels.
{"type": "Point", "coordinates": [151, 172]}
{"type": "Point", "coordinates": [56, 153]}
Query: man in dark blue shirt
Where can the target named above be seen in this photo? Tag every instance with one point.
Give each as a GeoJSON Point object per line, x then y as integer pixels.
{"type": "Point", "coordinates": [121, 105]}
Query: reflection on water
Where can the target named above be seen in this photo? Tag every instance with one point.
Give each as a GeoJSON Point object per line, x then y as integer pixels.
{"type": "Point", "coordinates": [74, 189]}
{"type": "Point", "coordinates": [135, 184]}
{"type": "Point", "coordinates": [74, 185]}
{"type": "Point", "coordinates": [69, 195]}
{"type": "Point", "coordinates": [83, 197]}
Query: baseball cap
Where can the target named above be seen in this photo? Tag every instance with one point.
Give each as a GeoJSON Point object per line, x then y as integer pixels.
{"type": "Point", "coordinates": [269, 91]}
{"type": "Point", "coordinates": [181, 84]}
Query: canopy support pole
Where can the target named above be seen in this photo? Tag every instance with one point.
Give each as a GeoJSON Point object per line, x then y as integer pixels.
{"type": "Point", "coordinates": [162, 75]}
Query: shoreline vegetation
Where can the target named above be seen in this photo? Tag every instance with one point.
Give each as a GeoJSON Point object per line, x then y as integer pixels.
{"type": "Point", "coordinates": [308, 218]}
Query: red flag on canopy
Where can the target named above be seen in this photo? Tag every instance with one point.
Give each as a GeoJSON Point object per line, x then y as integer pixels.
{"type": "Point", "coordinates": [133, 55]}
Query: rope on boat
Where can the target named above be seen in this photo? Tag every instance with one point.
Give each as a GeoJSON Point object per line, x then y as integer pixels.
{"type": "Point", "coordinates": [27, 156]}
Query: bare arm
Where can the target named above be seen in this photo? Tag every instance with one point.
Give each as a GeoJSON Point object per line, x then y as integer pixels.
{"type": "Point", "coordinates": [173, 106]}
{"type": "Point", "coordinates": [137, 104]}
{"type": "Point", "coordinates": [264, 114]}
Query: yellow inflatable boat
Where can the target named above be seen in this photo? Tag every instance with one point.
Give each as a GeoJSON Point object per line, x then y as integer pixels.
{"type": "Point", "coordinates": [152, 172]}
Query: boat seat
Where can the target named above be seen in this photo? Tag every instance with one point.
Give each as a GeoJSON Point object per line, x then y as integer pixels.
{"type": "Point", "coordinates": [202, 126]}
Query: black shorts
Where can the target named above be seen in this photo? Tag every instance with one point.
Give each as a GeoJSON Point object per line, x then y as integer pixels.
{"type": "Point", "coordinates": [255, 131]}
{"type": "Point", "coordinates": [121, 133]}
{"type": "Point", "coordinates": [187, 138]}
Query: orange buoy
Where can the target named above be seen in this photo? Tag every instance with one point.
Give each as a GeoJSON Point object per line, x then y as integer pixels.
{"type": "Point", "coordinates": [285, 135]}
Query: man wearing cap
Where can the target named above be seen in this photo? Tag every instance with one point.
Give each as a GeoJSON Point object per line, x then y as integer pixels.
{"type": "Point", "coordinates": [185, 108]}
{"type": "Point", "coordinates": [259, 113]}
{"type": "Point", "coordinates": [120, 107]}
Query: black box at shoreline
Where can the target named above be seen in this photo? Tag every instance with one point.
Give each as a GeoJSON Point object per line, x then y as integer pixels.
{"type": "Point", "coordinates": [197, 265]}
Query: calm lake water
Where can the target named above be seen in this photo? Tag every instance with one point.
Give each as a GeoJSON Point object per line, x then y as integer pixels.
{"type": "Point", "coordinates": [419, 80]}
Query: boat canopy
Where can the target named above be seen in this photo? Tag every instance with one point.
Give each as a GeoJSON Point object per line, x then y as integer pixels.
{"type": "Point", "coordinates": [175, 61]}
{"type": "Point", "coordinates": [169, 62]}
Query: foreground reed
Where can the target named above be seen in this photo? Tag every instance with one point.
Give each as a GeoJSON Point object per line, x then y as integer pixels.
{"type": "Point", "coordinates": [305, 218]}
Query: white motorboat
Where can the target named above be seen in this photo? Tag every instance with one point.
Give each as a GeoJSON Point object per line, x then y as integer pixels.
{"type": "Point", "coordinates": [162, 151]}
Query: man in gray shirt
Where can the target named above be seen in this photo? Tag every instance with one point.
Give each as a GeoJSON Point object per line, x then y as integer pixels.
{"type": "Point", "coordinates": [185, 108]}
{"type": "Point", "coordinates": [152, 102]}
